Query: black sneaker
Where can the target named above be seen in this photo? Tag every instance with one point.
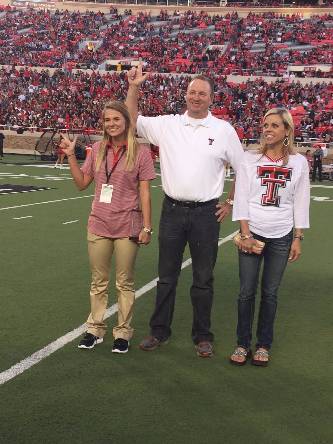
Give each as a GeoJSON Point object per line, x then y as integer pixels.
{"type": "Point", "coordinates": [89, 341]}
{"type": "Point", "coordinates": [120, 346]}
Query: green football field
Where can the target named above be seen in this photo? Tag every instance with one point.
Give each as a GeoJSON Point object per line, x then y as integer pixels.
{"type": "Point", "coordinates": [52, 392]}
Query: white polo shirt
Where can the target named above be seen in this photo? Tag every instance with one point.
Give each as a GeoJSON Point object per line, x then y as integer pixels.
{"type": "Point", "coordinates": [193, 153]}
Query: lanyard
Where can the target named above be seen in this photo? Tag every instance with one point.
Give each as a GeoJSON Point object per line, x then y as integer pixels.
{"type": "Point", "coordinates": [116, 159]}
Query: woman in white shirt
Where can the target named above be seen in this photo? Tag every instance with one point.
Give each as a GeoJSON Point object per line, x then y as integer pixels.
{"type": "Point", "coordinates": [272, 205]}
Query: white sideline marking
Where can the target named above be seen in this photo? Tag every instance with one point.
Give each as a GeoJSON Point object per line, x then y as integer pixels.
{"type": "Point", "coordinates": [70, 222]}
{"type": "Point", "coordinates": [46, 202]}
{"type": "Point", "coordinates": [23, 217]}
{"type": "Point", "coordinates": [48, 177]}
{"type": "Point", "coordinates": [321, 199]}
{"type": "Point", "coordinates": [45, 165]}
{"type": "Point", "coordinates": [46, 351]}
{"type": "Point", "coordinates": [48, 165]}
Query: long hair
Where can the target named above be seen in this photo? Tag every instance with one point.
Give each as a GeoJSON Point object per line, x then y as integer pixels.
{"type": "Point", "coordinates": [288, 146]}
{"type": "Point", "coordinates": [132, 146]}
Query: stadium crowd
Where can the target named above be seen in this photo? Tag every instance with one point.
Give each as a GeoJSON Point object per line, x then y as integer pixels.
{"type": "Point", "coordinates": [74, 100]}
{"type": "Point", "coordinates": [187, 42]}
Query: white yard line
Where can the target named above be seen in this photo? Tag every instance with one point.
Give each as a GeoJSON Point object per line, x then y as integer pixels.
{"type": "Point", "coordinates": [46, 351]}
{"type": "Point", "coordinates": [26, 176]}
{"type": "Point", "coordinates": [46, 202]}
{"type": "Point", "coordinates": [23, 217]}
{"type": "Point", "coordinates": [70, 222]}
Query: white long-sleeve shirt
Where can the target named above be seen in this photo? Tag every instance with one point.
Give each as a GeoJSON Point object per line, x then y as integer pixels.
{"type": "Point", "coordinates": [271, 197]}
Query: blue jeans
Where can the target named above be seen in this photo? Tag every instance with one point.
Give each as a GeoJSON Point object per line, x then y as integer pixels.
{"type": "Point", "coordinates": [199, 228]}
{"type": "Point", "coordinates": [275, 257]}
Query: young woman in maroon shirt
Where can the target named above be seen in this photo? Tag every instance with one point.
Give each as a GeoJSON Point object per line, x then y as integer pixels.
{"type": "Point", "coordinates": [120, 219]}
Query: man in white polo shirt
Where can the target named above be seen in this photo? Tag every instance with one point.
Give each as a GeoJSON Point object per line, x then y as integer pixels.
{"type": "Point", "coordinates": [194, 148]}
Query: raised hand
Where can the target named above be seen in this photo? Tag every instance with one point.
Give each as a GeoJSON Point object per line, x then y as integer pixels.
{"type": "Point", "coordinates": [67, 145]}
{"type": "Point", "coordinates": [135, 76]}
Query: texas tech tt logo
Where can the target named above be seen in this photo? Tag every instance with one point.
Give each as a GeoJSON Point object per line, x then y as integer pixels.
{"type": "Point", "coordinates": [274, 178]}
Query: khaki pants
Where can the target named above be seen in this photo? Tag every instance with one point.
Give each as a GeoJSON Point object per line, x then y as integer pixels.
{"type": "Point", "coordinates": [100, 251]}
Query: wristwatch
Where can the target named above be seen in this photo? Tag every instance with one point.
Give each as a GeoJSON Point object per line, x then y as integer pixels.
{"type": "Point", "coordinates": [148, 230]}
{"type": "Point", "coordinates": [229, 201]}
{"type": "Point", "coordinates": [299, 236]}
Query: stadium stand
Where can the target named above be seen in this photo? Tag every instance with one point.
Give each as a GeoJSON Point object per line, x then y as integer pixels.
{"type": "Point", "coordinates": [73, 100]}
{"type": "Point", "coordinates": [49, 92]}
{"type": "Point", "coordinates": [189, 42]}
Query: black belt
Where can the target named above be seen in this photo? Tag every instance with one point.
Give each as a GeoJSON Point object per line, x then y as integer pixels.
{"type": "Point", "coordinates": [190, 203]}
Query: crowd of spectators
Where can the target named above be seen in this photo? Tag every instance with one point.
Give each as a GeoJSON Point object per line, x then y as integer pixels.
{"type": "Point", "coordinates": [183, 43]}
{"type": "Point", "coordinates": [190, 42]}
{"type": "Point", "coordinates": [29, 98]}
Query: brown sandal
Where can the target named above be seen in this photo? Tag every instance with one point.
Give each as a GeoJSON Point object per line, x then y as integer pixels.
{"type": "Point", "coordinates": [244, 353]}
{"type": "Point", "coordinates": [261, 357]}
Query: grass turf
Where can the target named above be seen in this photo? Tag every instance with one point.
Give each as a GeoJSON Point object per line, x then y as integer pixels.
{"type": "Point", "coordinates": [170, 395]}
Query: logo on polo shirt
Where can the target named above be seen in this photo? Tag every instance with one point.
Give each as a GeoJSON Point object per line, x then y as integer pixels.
{"type": "Point", "coordinates": [210, 141]}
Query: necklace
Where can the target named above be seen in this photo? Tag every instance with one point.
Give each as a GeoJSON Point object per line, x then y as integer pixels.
{"type": "Point", "coordinates": [274, 160]}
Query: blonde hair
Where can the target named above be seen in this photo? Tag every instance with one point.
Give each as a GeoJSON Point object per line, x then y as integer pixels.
{"type": "Point", "coordinates": [132, 146]}
{"type": "Point", "coordinates": [288, 143]}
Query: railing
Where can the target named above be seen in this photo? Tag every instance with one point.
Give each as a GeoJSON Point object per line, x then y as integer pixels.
{"type": "Point", "coordinates": [207, 3]}
{"type": "Point", "coordinates": [96, 132]}
{"type": "Point", "coordinates": [143, 2]}
{"type": "Point", "coordinates": [37, 129]}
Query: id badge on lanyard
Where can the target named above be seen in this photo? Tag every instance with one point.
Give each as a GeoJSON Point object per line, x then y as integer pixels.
{"type": "Point", "coordinates": [106, 193]}
{"type": "Point", "coordinates": [107, 189]}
